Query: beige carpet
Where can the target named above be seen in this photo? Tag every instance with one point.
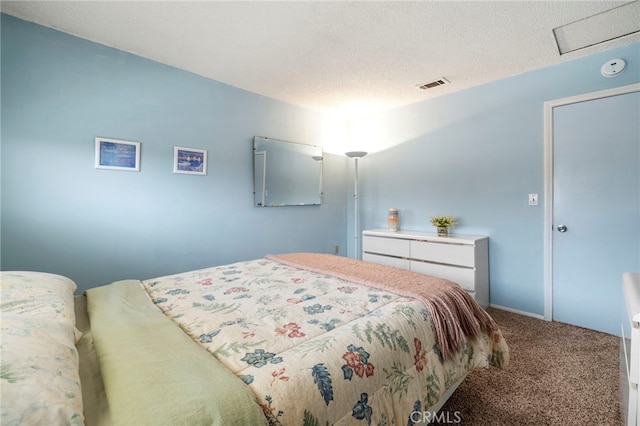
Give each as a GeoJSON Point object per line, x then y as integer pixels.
{"type": "Point", "coordinates": [559, 375]}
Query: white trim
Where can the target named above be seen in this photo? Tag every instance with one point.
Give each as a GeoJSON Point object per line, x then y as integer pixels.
{"type": "Point", "coordinates": [548, 180]}
{"type": "Point", "coordinates": [548, 211]}
{"type": "Point", "coordinates": [516, 311]}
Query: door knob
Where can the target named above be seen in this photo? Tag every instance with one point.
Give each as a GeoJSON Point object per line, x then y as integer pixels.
{"type": "Point", "coordinates": [562, 228]}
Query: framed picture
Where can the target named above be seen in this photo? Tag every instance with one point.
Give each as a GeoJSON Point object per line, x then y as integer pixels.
{"type": "Point", "coordinates": [190, 161]}
{"type": "Point", "coordinates": [115, 154]}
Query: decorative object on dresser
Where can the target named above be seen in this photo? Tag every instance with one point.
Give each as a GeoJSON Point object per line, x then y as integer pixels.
{"type": "Point", "coordinates": [463, 259]}
{"type": "Point", "coordinates": [630, 357]}
{"type": "Point", "coordinates": [393, 220]}
{"type": "Point", "coordinates": [443, 223]}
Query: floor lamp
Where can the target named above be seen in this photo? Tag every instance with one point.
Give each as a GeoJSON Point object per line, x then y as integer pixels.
{"type": "Point", "coordinates": [355, 155]}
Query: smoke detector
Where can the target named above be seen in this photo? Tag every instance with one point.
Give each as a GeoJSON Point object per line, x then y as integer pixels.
{"type": "Point", "coordinates": [613, 67]}
{"type": "Point", "coordinates": [439, 82]}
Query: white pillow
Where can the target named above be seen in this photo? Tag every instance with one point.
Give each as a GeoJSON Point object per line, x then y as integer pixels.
{"type": "Point", "coordinates": [39, 369]}
{"type": "Point", "coordinates": [37, 294]}
{"type": "Point", "coordinates": [40, 379]}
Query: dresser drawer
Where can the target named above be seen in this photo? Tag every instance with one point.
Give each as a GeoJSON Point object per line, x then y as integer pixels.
{"type": "Point", "coordinates": [463, 276]}
{"type": "Point", "coordinates": [452, 254]}
{"type": "Point", "coordinates": [386, 260]}
{"type": "Point", "coordinates": [389, 246]}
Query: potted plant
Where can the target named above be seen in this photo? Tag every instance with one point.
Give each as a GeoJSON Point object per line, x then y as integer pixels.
{"type": "Point", "coordinates": [443, 223]}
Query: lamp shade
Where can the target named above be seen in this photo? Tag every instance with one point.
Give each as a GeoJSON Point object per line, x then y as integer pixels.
{"type": "Point", "coordinates": [355, 154]}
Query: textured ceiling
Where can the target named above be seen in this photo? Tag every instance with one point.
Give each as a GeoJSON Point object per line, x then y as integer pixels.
{"type": "Point", "coordinates": [339, 56]}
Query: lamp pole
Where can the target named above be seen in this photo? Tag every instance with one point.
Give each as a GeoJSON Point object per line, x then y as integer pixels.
{"type": "Point", "coordinates": [356, 155]}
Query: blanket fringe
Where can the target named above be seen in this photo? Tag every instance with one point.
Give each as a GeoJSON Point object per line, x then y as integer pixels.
{"type": "Point", "coordinates": [455, 315]}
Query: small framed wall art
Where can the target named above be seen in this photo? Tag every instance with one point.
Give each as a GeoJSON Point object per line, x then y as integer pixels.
{"type": "Point", "coordinates": [190, 161]}
{"type": "Point", "coordinates": [116, 154]}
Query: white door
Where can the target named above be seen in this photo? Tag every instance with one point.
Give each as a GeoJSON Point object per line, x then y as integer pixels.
{"type": "Point", "coordinates": [595, 208]}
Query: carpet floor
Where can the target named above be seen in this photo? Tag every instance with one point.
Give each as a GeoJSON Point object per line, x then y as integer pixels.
{"type": "Point", "coordinates": [559, 374]}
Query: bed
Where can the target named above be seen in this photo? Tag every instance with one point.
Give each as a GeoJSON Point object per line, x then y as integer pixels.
{"type": "Point", "coordinates": [299, 338]}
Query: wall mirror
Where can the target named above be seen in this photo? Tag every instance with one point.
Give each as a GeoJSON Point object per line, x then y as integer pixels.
{"type": "Point", "coordinates": [286, 173]}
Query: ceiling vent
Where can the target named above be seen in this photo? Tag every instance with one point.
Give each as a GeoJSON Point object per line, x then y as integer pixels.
{"type": "Point", "coordinates": [435, 83]}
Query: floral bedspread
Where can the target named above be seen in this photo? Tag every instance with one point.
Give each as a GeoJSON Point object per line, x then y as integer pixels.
{"type": "Point", "coordinates": [317, 349]}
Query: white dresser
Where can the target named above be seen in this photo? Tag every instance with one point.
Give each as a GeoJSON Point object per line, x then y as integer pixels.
{"type": "Point", "coordinates": [463, 259]}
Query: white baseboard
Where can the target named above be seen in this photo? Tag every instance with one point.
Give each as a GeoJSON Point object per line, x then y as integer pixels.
{"type": "Point", "coordinates": [516, 311]}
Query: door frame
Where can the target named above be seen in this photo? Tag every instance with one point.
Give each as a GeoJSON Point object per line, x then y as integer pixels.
{"type": "Point", "coordinates": [548, 180]}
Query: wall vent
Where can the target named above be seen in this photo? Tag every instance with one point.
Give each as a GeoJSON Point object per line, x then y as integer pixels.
{"type": "Point", "coordinates": [436, 83]}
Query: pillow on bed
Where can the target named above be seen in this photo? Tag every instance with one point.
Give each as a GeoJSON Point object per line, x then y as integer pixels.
{"type": "Point", "coordinates": [39, 374]}
{"type": "Point", "coordinates": [37, 294]}
{"type": "Point", "coordinates": [39, 370]}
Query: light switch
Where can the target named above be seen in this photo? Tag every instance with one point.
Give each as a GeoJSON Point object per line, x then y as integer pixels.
{"type": "Point", "coordinates": [533, 199]}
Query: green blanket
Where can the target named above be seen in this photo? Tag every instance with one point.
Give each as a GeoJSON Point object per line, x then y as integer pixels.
{"type": "Point", "coordinates": [155, 374]}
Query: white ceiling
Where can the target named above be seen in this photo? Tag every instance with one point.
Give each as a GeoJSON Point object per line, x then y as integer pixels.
{"type": "Point", "coordinates": [347, 57]}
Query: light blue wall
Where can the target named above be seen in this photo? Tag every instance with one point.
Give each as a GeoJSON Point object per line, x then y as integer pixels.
{"type": "Point", "coordinates": [477, 154]}
{"type": "Point", "coordinates": [61, 215]}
